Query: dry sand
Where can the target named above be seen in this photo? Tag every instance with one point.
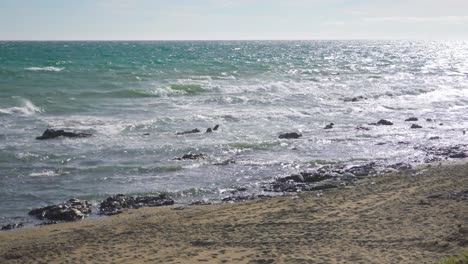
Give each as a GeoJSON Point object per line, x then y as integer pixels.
{"type": "Point", "coordinates": [386, 219]}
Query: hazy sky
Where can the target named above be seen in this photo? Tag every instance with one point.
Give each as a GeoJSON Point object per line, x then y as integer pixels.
{"type": "Point", "coordinates": [232, 19]}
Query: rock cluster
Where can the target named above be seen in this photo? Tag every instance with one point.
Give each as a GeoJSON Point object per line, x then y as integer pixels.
{"type": "Point", "coordinates": [116, 204]}
{"type": "Point", "coordinates": [326, 177]}
{"type": "Point", "coordinates": [51, 133]}
{"type": "Point", "coordinates": [72, 210]}
{"type": "Point", "coordinates": [291, 135]}
{"type": "Point", "coordinates": [11, 226]}
{"type": "Point", "coordinates": [191, 156]}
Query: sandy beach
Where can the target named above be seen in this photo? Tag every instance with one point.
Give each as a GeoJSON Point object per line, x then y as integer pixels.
{"type": "Point", "coordinates": [414, 217]}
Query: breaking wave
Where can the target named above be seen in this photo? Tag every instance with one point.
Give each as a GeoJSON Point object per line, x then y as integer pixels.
{"type": "Point", "coordinates": [26, 108]}
{"type": "Point", "coordinates": [47, 69]}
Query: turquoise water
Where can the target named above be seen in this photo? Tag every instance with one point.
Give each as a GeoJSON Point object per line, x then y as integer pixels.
{"type": "Point", "coordinates": [119, 91]}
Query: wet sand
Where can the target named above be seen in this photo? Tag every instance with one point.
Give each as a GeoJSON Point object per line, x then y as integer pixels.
{"type": "Point", "coordinates": [413, 217]}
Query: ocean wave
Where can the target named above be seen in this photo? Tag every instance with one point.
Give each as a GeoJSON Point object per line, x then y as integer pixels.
{"type": "Point", "coordinates": [188, 88]}
{"type": "Point", "coordinates": [47, 69]}
{"type": "Point", "coordinates": [26, 108]}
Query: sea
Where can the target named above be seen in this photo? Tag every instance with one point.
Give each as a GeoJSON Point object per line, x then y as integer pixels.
{"type": "Point", "coordinates": [134, 96]}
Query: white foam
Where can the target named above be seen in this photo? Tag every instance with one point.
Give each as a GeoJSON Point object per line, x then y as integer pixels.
{"type": "Point", "coordinates": [48, 69]}
{"type": "Point", "coordinates": [26, 108]}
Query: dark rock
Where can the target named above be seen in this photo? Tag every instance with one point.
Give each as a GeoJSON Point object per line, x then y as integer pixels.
{"type": "Point", "coordinates": [191, 156]}
{"type": "Point", "coordinates": [429, 120]}
{"type": "Point", "coordinates": [415, 126]}
{"type": "Point", "coordinates": [71, 210]}
{"type": "Point", "coordinates": [294, 178]}
{"type": "Point", "coordinates": [434, 138]}
{"type": "Point", "coordinates": [363, 128]}
{"type": "Point", "coordinates": [200, 202]}
{"type": "Point", "coordinates": [329, 126]}
{"type": "Point", "coordinates": [362, 170]}
{"type": "Point", "coordinates": [403, 143]}
{"type": "Point", "coordinates": [12, 226]}
{"type": "Point", "coordinates": [373, 124]}
{"type": "Point", "coordinates": [380, 144]}
{"type": "Point", "coordinates": [196, 130]}
{"type": "Point", "coordinates": [355, 99]}
{"type": "Point", "coordinates": [50, 133]}
{"type": "Point", "coordinates": [215, 127]}
{"type": "Point", "coordinates": [438, 153]}
{"type": "Point", "coordinates": [313, 177]}
{"type": "Point", "coordinates": [146, 134]}
{"type": "Point", "coordinates": [412, 119]}
{"type": "Point", "coordinates": [209, 130]}
{"type": "Point", "coordinates": [459, 155]}
{"type": "Point", "coordinates": [384, 122]}
{"type": "Point", "coordinates": [292, 135]}
{"type": "Point", "coordinates": [116, 204]}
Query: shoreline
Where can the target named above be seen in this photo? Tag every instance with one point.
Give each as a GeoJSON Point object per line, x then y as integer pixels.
{"type": "Point", "coordinates": [401, 217]}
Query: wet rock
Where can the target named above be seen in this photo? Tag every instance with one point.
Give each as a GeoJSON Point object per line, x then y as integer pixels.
{"type": "Point", "coordinates": [362, 170]}
{"type": "Point", "coordinates": [384, 122]}
{"type": "Point", "coordinates": [12, 226]}
{"type": "Point", "coordinates": [429, 120]}
{"type": "Point", "coordinates": [355, 99]}
{"type": "Point", "coordinates": [415, 126]}
{"type": "Point", "coordinates": [294, 178]}
{"type": "Point", "coordinates": [215, 128]}
{"type": "Point", "coordinates": [191, 156]}
{"type": "Point", "coordinates": [292, 135]}
{"type": "Point", "coordinates": [434, 138]}
{"type": "Point", "coordinates": [72, 210]}
{"type": "Point", "coordinates": [329, 126]}
{"type": "Point", "coordinates": [412, 119]}
{"type": "Point", "coordinates": [116, 204]}
{"type": "Point", "coordinates": [363, 128]}
{"type": "Point", "coordinates": [200, 202]}
{"type": "Point", "coordinates": [194, 131]}
{"type": "Point", "coordinates": [459, 155]}
{"type": "Point", "coordinates": [146, 134]}
{"type": "Point", "coordinates": [209, 130]}
{"type": "Point", "coordinates": [51, 133]}
{"type": "Point", "coordinates": [439, 153]}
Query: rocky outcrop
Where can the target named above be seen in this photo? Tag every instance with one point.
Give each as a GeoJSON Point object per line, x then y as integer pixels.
{"type": "Point", "coordinates": [326, 177]}
{"type": "Point", "coordinates": [384, 122]}
{"type": "Point", "coordinates": [12, 226]}
{"type": "Point", "coordinates": [438, 153]}
{"type": "Point", "coordinates": [51, 133]}
{"type": "Point", "coordinates": [194, 131]}
{"type": "Point", "coordinates": [116, 204]}
{"type": "Point", "coordinates": [412, 119]}
{"type": "Point", "coordinates": [292, 135]}
{"type": "Point", "coordinates": [191, 156]}
{"type": "Point", "coordinates": [355, 99]}
{"type": "Point", "coordinates": [329, 126]}
{"type": "Point", "coordinates": [72, 210]}
{"type": "Point", "coordinates": [415, 126]}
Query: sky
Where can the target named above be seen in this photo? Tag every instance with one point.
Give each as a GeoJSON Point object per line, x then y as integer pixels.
{"type": "Point", "coordinates": [232, 19]}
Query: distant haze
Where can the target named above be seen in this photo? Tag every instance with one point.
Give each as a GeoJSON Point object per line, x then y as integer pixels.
{"type": "Point", "coordinates": [232, 19]}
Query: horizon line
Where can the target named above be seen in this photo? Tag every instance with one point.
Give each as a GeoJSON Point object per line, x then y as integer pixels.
{"type": "Point", "coordinates": [155, 40]}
